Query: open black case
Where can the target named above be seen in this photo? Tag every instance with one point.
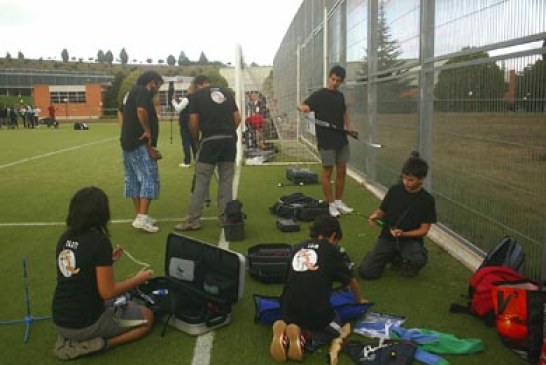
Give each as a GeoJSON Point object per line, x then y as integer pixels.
{"type": "Point", "coordinates": [203, 283]}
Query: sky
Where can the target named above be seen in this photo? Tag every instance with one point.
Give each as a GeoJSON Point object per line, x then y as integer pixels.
{"type": "Point", "coordinates": [146, 29]}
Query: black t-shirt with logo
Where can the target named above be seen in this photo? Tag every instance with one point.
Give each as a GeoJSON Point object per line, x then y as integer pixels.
{"type": "Point", "coordinates": [314, 267]}
{"type": "Point", "coordinates": [215, 107]}
{"type": "Point", "coordinates": [77, 302]}
{"type": "Point", "coordinates": [329, 106]}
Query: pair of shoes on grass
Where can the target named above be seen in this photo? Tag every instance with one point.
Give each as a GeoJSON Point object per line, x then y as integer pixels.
{"type": "Point", "coordinates": [338, 207]}
{"type": "Point", "coordinates": [66, 349]}
{"type": "Point", "coordinates": [145, 223]}
{"type": "Point", "coordinates": [287, 342]}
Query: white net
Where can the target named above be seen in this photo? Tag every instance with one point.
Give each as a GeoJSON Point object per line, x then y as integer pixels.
{"type": "Point", "coordinates": [268, 136]}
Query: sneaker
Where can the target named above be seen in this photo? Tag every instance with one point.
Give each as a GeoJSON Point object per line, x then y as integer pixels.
{"type": "Point", "coordinates": [66, 349]}
{"type": "Point", "coordinates": [184, 165]}
{"type": "Point", "coordinates": [188, 226]}
{"type": "Point", "coordinates": [343, 208]}
{"type": "Point", "coordinates": [278, 346]}
{"type": "Point", "coordinates": [333, 211]}
{"type": "Point", "coordinates": [145, 225]}
{"type": "Point", "coordinates": [295, 344]}
{"type": "Point", "coordinates": [151, 220]}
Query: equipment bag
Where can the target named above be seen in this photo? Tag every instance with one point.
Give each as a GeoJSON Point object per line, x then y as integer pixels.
{"type": "Point", "coordinates": [508, 252]}
{"type": "Point", "coordinates": [268, 262]}
{"type": "Point", "coordinates": [481, 284]}
{"type": "Point", "coordinates": [268, 308]}
{"type": "Point", "coordinates": [301, 176]}
{"type": "Point", "coordinates": [391, 352]}
{"type": "Point", "coordinates": [299, 206]}
{"type": "Point", "coordinates": [519, 310]}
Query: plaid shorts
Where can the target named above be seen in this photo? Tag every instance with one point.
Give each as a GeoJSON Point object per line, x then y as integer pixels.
{"type": "Point", "coordinates": [141, 174]}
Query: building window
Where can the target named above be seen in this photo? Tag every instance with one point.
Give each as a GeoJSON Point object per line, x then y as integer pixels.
{"type": "Point", "coordinates": [73, 97]}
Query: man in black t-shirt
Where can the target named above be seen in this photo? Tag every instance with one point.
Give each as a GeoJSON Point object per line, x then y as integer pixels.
{"type": "Point", "coordinates": [139, 134]}
{"type": "Point", "coordinates": [328, 104]}
{"type": "Point", "coordinates": [214, 118]}
{"type": "Point", "coordinates": [306, 312]}
{"type": "Point", "coordinates": [406, 215]}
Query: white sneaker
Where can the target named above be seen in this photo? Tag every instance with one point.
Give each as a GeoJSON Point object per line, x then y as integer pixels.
{"type": "Point", "coordinates": [184, 165]}
{"type": "Point", "coordinates": [151, 220]}
{"type": "Point", "coordinates": [333, 210]}
{"type": "Point", "coordinates": [343, 208]}
{"type": "Point", "coordinates": [145, 225]}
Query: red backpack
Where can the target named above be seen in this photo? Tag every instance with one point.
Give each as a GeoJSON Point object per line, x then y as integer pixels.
{"type": "Point", "coordinates": [480, 294]}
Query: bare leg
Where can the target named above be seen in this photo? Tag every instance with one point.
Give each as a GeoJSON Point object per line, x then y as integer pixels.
{"type": "Point", "coordinates": [135, 333]}
{"type": "Point", "coordinates": [326, 184]}
{"type": "Point", "coordinates": [341, 173]}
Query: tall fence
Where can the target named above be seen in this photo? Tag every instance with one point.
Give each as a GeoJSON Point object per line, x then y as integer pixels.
{"type": "Point", "coordinates": [461, 81]}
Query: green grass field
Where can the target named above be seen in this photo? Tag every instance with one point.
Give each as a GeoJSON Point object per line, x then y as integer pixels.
{"type": "Point", "coordinates": [41, 169]}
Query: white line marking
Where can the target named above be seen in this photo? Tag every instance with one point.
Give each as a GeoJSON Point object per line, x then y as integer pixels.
{"type": "Point", "coordinates": [203, 349]}
{"type": "Point", "coordinates": [55, 153]}
{"type": "Point", "coordinates": [114, 221]}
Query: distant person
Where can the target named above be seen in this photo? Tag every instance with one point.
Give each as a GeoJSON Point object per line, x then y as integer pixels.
{"type": "Point", "coordinates": [215, 117]}
{"type": "Point", "coordinates": [139, 135]}
{"type": "Point", "coordinates": [84, 313]}
{"type": "Point", "coordinates": [189, 148]}
{"type": "Point", "coordinates": [406, 214]}
{"type": "Point", "coordinates": [307, 316]}
{"type": "Point", "coordinates": [328, 104]}
{"type": "Point", "coordinates": [51, 110]}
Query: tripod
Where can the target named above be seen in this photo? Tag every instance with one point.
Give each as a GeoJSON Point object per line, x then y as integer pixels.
{"type": "Point", "coordinates": [28, 318]}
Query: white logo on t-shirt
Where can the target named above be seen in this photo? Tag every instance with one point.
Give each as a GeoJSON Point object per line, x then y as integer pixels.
{"type": "Point", "coordinates": [217, 96]}
{"type": "Point", "coordinates": [67, 263]}
{"type": "Point", "coordinates": [305, 259]}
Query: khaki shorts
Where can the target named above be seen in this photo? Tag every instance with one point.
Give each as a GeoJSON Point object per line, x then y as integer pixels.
{"type": "Point", "coordinates": [107, 325]}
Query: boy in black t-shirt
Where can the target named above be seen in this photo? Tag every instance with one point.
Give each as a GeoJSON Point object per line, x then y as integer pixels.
{"type": "Point", "coordinates": [406, 215]}
{"type": "Point", "coordinates": [329, 106]}
{"type": "Point", "coordinates": [306, 312]}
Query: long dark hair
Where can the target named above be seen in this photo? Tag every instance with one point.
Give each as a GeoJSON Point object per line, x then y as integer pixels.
{"type": "Point", "coordinates": [88, 209]}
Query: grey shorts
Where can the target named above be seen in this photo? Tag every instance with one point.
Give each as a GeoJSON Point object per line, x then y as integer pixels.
{"type": "Point", "coordinates": [107, 326]}
{"type": "Point", "coordinates": [335, 156]}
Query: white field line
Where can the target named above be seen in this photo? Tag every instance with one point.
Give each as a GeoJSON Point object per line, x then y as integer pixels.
{"type": "Point", "coordinates": [113, 221]}
{"type": "Point", "coordinates": [204, 343]}
{"type": "Point", "coordinates": [55, 153]}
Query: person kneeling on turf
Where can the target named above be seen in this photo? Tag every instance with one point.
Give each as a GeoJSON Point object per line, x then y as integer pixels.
{"type": "Point", "coordinates": [405, 215]}
{"type": "Point", "coordinates": [307, 317]}
{"type": "Point", "coordinates": [87, 318]}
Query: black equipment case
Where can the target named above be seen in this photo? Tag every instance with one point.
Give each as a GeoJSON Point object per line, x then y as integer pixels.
{"type": "Point", "coordinates": [268, 262]}
{"type": "Point", "coordinates": [301, 175]}
{"type": "Point", "coordinates": [204, 281]}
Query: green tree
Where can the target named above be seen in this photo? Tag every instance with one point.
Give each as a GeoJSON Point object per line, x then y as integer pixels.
{"type": "Point", "coordinates": [8, 56]}
{"type": "Point", "coordinates": [20, 56]}
{"type": "Point", "coordinates": [100, 56]}
{"type": "Point", "coordinates": [123, 56]}
{"type": "Point", "coordinates": [109, 57]}
{"type": "Point", "coordinates": [183, 60]}
{"type": "Point", "coordinates": [530, 87]}
{"type": "Point", "coordinates": [171, 61]}
{"type": "Point", "coordinates": [128, 82]}
{"type": "Point", "coordinates": [203, 60]}
{"type": "Point", "coordinates": [64, 55]}
{"type": "Point", "coordinates": [473, 88]}
{"type": "Point", "coordinates": [390, 94]}
{"type": "Point", "coordinates": [111, 99]}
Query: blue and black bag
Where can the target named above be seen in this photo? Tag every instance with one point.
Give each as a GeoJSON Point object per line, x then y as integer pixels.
{"type": "Point", "coordinates": [268, 308]}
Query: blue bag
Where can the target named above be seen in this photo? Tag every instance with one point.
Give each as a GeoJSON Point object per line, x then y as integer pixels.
{"type": "Point", "coordinates": [268, 309]}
